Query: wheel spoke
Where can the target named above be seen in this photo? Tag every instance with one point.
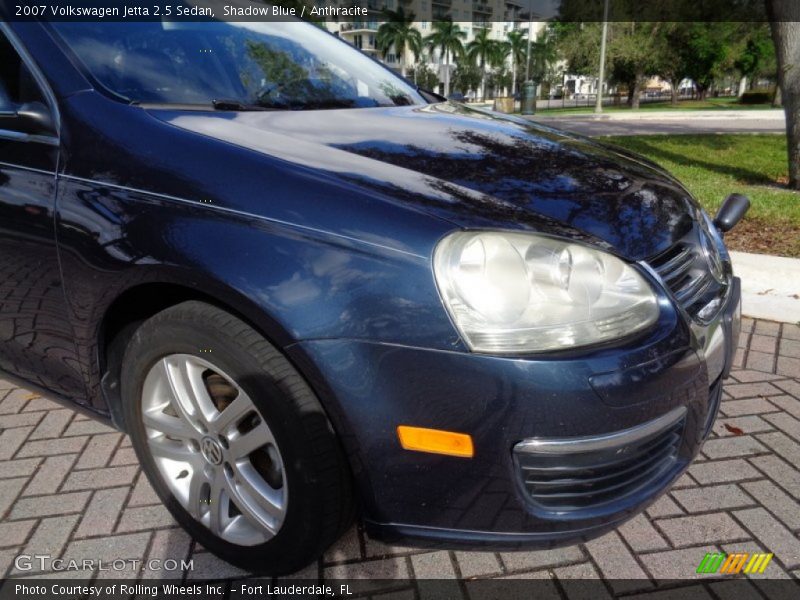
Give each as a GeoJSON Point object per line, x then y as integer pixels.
{"type": "Point", "coordinates": [172, 394]}
{"type": "Point", "coordinates": [244, 444]}
{"type": "Point", "coordinates": [243, 530]}
{"type": "Point", "coordinates": [218, 503]}
{"type": "Point", "coordinates": [167, 425]}
{"type": "Point", "coordinates": [161, 447]}
{"type": "Point", "coordinates": [258, 500]}
{"type": "Point", "coordinates": [188, 388]}
{"type": "Point", "coordinates": [233, 414]}
{"type": "Point", "coordinates": [194, 495]}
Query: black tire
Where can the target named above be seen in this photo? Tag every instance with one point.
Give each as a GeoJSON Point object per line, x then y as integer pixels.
{"type": "Point", "coordinates": [320, 506]}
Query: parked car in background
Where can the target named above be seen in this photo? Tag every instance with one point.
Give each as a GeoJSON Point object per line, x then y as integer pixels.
{"type": "Point", "coordinates": [306, 289]}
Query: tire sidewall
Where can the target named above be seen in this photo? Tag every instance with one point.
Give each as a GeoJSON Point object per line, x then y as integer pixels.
{"type": "Point", "coordinates": [268, 391]}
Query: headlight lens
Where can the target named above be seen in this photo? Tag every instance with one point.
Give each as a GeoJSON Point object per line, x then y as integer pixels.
{"type": "Point", "coordinates": [518, 292]}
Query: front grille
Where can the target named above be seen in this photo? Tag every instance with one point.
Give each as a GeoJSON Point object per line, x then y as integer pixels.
{"type": "Point", "coordinates": [685, 271]}
{"type": "Point", "coordinates": [598, 471]}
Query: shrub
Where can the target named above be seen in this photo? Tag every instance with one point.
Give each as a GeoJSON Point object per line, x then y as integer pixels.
{"type": "Point", "coordinates": [756, 97]}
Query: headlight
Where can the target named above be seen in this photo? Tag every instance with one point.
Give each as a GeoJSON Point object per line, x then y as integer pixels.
{"type": "Point", "coordinates": [519, 292]}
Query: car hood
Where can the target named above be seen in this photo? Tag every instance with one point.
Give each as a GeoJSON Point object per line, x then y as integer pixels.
{"type": "Point", "coordinates": [473, 168]}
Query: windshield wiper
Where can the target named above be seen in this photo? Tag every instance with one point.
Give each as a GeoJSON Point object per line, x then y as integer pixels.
{"type": "Point", "coordinates": [236, 105]}
{"type": "Point", "coordinates": [300, 105]}
{"type": "Point", "coordinates": [223, 104]}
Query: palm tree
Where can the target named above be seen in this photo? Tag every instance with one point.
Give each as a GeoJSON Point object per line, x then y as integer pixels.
{"type": "Point", "coordinates": [543, 56]}
{"type": "Point", "coordinates": [398, 32]}
{"type": "Point", "coordinates": [498, 60]}
{"type": "Point", "coordinates": [481, 50]}
{"type": "Point", "coordinates": [447, 38]}
{"type": "Point", "coordinates": [517, 45]}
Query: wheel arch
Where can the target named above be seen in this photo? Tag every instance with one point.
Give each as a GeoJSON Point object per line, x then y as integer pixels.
{"type": "Point", "coordinates": [143, 300]}
{"type": "Point", "coordinates": [146, 298]}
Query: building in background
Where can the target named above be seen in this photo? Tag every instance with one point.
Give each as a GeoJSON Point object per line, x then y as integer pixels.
{"type": "Point", "coordinates": [498, 16]}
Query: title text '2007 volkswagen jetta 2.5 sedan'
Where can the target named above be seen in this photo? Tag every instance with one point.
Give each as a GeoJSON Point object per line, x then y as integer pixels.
{"type": "Point", "coordinates": [309, 290]}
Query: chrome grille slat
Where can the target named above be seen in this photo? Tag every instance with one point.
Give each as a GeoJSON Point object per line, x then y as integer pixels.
{"type": "Point", "coordinates": [685, 271]}
{"type": "Point", "coordinates": [690, 297]}
{"type": "Point", "coordinates": [587, 473]}
{"type": "Point", "coordinates": [674, 276]}
{"type": "Point", "coordinates": [626, 470]}
{"type": "Point", "coordinates": [633, 483]}
{"type": "Point", "coordinates": [677, 266]}
{"type": "Point", "coordinates": [690, 292]}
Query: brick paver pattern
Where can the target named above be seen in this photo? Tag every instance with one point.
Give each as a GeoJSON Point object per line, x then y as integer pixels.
{"type": "Point", "coordinates": [72, 488]}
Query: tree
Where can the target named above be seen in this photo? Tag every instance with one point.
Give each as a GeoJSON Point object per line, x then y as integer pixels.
{"type": "Point", "coordinates": [757, 55]}
{"type": "Point", "coordinates": [577, 44]}
{"type": "Point", "coordinates": [423, 76]}
{"type": "Point", "coordinates": [499, 79]}
{"type": "Point", "coordinates": [466, 77]}
{"type": "Point", "coordinates": [517, 44]}
{"type": "Point", "coordinates": [448, 39]}
{"type": "Point", "coordinates": [480, 51]}
{"type": "Point", "coordinates": [669, 56]}
{"type": "Point", "coordinates": [784, 17]}
{"type": "Point", "coordinates": [632, 53]}
{"type": "Point", "coordinates": [399, 33]}
{"type": "Point", "coordinates": [544, 57]}
{"type": "Point", "coordinates": [705, 52]}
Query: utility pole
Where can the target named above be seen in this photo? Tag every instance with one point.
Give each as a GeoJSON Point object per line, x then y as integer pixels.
{"type": "Point", "coordinates": [528, 104]}
{"type": "Point", "coordinates": [528, 53]}
{"type": "Point", "coordinates": [598, 107]}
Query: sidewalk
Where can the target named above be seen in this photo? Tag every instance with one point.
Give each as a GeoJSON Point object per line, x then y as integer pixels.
{"type": "Point", "coordinates": [72, 488]}
{"type": "Point", "coordinates": [676, 122]}
{"type": "Point", "coordinates": [770, 286]}
{"type": "Point", "coordinates": [776, 114]}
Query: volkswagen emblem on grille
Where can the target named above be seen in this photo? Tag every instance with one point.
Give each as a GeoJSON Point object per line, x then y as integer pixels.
{"type": "Point", "coordinates": [211, 451]}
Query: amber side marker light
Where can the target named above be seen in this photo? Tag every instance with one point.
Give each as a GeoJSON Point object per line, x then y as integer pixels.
{"type": "Point", "coordinates": [435, 441]}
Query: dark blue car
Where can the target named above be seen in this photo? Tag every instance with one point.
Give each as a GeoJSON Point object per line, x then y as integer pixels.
{"type": "Point", "coordinates": [308, 290]}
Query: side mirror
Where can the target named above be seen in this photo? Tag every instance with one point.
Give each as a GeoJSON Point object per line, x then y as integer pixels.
{"type": "Point", "coordinates": [731, 212]}
{"type": "Point", "coordinates": [33, 118]}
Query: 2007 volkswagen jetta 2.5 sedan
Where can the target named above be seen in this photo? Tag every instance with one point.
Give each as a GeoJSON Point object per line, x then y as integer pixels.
{"type": "Point", "coordinates": [308, 290]}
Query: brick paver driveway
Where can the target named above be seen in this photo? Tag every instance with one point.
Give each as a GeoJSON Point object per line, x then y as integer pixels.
{"type": "Point", "coordinates": [72, 488]}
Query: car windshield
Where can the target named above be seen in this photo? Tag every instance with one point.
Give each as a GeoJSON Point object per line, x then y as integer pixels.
{"type": "Point", "coordinates": [291, 66]}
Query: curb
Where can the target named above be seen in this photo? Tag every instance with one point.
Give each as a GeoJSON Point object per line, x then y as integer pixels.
{"type": "Point", "coordinates": [770, 286]}
{"type": "Point", "coordinates": [676, 115]}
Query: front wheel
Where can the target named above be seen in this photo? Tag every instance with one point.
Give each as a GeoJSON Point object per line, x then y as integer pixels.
{"type": "Point", "coordinates": [233, 440]}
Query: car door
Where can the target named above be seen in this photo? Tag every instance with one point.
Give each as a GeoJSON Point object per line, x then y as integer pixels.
{"type": "Point", "coordinates": [36, 339]}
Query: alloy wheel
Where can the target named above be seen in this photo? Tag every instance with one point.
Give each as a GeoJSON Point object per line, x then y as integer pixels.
{"type": "Point", "coordinates": [213, 449]}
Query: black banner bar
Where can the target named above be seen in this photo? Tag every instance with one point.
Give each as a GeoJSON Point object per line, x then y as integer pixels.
{"type": "Point", "coordinates": [476, 12]}
{"type": "Point", "coordinates": [724, 587]}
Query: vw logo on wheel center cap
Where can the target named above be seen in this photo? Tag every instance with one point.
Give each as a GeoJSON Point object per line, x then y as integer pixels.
{"type": "Point", "coordinates": [211, 451]}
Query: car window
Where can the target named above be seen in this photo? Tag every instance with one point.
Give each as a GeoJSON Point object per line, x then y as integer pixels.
{"type": "Point", "coordinates": [291, 66]}
{"type": "Point", "coordinates": [17, 84]}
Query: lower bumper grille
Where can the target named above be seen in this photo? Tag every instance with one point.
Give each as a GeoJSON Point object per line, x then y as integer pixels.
{"type": "Point", "coordinates": [582, 473]}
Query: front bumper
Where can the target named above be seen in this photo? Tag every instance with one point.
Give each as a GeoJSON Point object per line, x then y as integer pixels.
{"type": "Point", "coordinates": [369, 389]}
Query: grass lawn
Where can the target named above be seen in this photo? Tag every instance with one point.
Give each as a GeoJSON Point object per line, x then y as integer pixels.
{"type": "Point", "coordinates": [713, 166]}
{"type": "Point", "coordinates": [709, 104]}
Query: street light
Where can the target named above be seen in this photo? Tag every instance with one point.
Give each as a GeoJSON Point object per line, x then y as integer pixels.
{"type": "Point", "coordinates": [528, 88]}
{"type": "Point", "coordinates": [528, 53]}
{"type": "Point", "coordinates": [598, 106]}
